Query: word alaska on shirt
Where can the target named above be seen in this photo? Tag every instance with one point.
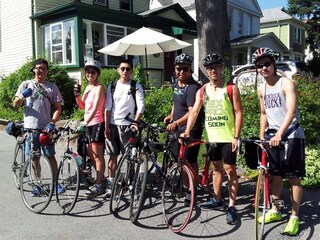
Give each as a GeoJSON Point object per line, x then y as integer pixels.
{"type": "Point", "coordinates": [272, 100]}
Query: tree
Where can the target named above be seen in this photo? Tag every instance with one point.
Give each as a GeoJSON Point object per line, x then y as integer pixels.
{"type": "Point", "coordinates": [308, 10]}
{"type": "Point", "coordinates": [213, 28]}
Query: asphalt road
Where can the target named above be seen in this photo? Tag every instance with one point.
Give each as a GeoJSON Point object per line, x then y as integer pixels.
{"type": "Point", "coordinates": [91, 219]}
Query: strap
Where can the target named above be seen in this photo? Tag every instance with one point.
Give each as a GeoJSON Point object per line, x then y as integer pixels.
{"type": "Point", "coordinates": [230, 91]}
{"type": "Point", "coordinates": [133, 91]}
{"type": "Point", "coordinates": [202, 93]}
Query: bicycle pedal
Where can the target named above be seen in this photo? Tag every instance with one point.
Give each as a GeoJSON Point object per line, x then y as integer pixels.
{"type": "Point", "coordinates": [279, 203]}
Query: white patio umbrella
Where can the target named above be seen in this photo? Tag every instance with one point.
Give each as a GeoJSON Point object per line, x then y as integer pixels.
{"type": "Point", "coordinates": [144, 41]}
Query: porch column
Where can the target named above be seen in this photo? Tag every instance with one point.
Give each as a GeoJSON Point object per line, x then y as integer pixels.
{"type": "Point", "coordinates": [249, 54]}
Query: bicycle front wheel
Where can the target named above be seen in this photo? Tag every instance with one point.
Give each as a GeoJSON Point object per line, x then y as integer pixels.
{"type": "Point", "coordinates": [67, 183]}
{"type": "Point", "coordinates": [139, 187]}
{"type": "Point", "coordinates": [120, 185]}
{"type": "Point", "coordinates": [178, 197]}
{"type": "Point", "coordinates": [36, 184]}
{"type": "Point", "coordinates": [17, 165]}
{"type": "Point", "coordinates": [260, 204]}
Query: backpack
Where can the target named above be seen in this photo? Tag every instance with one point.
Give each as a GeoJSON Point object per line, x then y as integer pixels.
{"type": "Point", "coordinates": [229, 91]}
{"type": "Point", "coordinates": [132, 91]}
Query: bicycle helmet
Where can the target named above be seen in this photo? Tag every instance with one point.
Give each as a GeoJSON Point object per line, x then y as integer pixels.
{"type": "Point", "coordinates": [45, 139]}
{"type": "Point", "coordinates": [183, 58]}
{"type": "Point", "coordinates": [91, 63]}
{"type": "Point", "coordinates": [212, 58]}
{"type": "Point", "coordinates": [262, 52]}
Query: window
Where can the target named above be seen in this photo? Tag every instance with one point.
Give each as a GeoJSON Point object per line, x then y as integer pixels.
{"type": "Point", "coordinates": [240, 23]}
{"type": "Point", "coordinates": [101, 2]}
{"type": "Point", "coordinates": [297, 35]}
{"type": "Point", "coordinates": [113, 34]}
{"type": "Point", "coordinates": [126, 5]}
{"type": "Point", "coordinates": [58, 42]}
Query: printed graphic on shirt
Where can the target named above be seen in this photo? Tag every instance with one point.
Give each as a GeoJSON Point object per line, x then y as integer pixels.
{"type": "Point", "coordinates": [217, 115]}
{"type": "Point", "coordinates": [272, 101]}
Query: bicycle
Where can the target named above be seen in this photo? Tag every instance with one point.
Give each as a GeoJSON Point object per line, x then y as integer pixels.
{"type": "Point", "coordinates": [179, 183]}
{"type": "Point", "coordinates": [36, 177]}
{"type": "Point", "coordinates": [148, 149]}
{"type": "Point", "coordinates": [16, 130]}
{"type": "Point", "coordinates": [262, 199]}
{"type": "Point", "coordinates": [68, 176]}
{"type": "Point", "coordinates": [126, 173]}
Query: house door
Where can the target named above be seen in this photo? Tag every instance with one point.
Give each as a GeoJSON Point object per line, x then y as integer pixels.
{"type": "Point", "coordinates": [168, 65]}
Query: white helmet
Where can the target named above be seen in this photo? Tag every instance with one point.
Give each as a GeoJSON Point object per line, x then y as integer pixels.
{"type": "Point", "coordinates": [91, 63]}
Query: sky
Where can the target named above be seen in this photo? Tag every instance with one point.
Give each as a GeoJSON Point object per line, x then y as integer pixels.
{"type": "Point", "coordinates": [267, 4]}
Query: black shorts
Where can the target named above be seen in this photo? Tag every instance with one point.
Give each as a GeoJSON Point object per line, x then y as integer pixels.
{"type": "Point", "coordinates": [95, 133]}
{"type": "Point", "coordinates": [191, 153]}
{"type": "Point", "coordinates": [223, 151]}
{"type": "Point", "coordinates": [290, 166]}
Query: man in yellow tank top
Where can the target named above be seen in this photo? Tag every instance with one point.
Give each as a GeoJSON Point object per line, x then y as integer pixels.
{"type": "Point", "coordinates": [223, 120]}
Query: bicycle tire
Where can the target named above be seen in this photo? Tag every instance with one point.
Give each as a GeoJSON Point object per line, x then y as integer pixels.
{"type": "Point", "coordinates": [17, 164]}
{"type": "Point", "coordinates": [139, 187]}
{"type": "Point", "coordinates": [44, 184]}
{"type": "Point", "coordinates": [69, 179]}
{"type": "Point", "coordinates": [260, 204]}
{"type": "Point", "coordinates": [120, 184]}
{"type": "Point", "coordinates": [176, 213]}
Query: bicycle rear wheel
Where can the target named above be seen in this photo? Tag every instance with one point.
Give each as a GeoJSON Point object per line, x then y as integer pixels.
{"type": "Point", "coordinates": [139, 187]}
{"type": "Point", "coordinates": [260, 204]}
{"type": "Point", "coordinates": [36, 184]}
{"type": "Point", "coordinates": [17, 165]}
{"type": "Point", "coordinates": [69, 180]}
{"type": "Point", "coordinates": [120, 185]}
{"type": "Point", "coordinates": [177, 207]}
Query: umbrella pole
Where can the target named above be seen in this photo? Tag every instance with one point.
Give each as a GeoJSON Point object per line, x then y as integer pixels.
{"type": "Point", "coordinates": [147, 71]}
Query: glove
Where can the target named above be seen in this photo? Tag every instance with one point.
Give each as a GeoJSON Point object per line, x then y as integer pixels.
{"type": "Point", "coordinates": [26, 93]}
{"type": "Point", "coordinates": [50, 128]}
{"type": "Point", "coordinates": [77, 90]}
{"type": "Point", "coordinates": [81, 128]}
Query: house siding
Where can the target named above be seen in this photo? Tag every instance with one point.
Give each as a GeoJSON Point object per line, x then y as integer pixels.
{"type": "Point", "coordinates": [281, 31]}
{"type": "Point", "coordinates": [15, 30]}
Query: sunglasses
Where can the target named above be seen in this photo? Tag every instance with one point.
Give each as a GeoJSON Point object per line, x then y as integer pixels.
{"type": "Point", "coordinates": [125, 68]}
{"type": "Point", "coordinates": [185, 69]}
{"type": "Point", "coordinates": [213, 67]}
{"type": "Point", "coordinates": [41, 69]}
{"type": "Point", "coordinates": [265, 64]}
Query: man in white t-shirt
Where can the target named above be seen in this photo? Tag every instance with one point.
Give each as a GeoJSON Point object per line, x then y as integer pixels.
{"type": "Point", "coordinates": [120, 101]}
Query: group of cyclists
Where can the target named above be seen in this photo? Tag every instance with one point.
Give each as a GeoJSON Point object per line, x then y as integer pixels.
{"type": "Point", "coordinates": [215, 105]}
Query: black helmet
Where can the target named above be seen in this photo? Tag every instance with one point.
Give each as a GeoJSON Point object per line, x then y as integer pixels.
{"type": "Point", "coordinates": [212, 58]}
{"type": "Point", "coordinates": [262, 52]}
{"type": "Point", "coordinates": [183, 58]}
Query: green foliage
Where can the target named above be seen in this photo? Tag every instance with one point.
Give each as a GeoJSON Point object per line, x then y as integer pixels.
{"type": "Point", "coordinates": [140, 77]}
{"type": "Point", "coordinates": [312, 179]}
{"type": "Point", "coordinates": [158, 103]}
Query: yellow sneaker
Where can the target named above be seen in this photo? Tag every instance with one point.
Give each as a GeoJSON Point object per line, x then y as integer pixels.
{"type": "Point", "coordinates": [292, 227]}
{"type": "Point", "coordinates": [271, 216]}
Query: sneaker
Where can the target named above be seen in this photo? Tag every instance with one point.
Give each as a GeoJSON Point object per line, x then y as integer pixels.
{"type": "Point", "coordinates": [109, 183]}
{"type": "Point", "coordinates": [60, 188]}
{"type": "Point", "coordinates": [271, 216]}
{"type": "Point", "coordinates": [36, 191]}
{"type": "Point", "coordinates": [232, 217]}
{"type": "Point", "coordinates": [211, 204]}
{"type": "Point", "coordinates": [292, 227]}
{"type": "Point", "coordinates": [95, 191]}
{"type": "Point", "coordinates": [108, 193]}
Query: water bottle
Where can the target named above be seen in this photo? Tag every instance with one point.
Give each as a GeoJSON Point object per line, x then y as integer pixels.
{"type": "Point", "coordinates": [133, 153]}
{"type": "Point", "coordinates": [78, 158]}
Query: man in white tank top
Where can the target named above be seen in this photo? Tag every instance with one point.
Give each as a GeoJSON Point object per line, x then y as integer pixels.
{"type": "Point", "coordinates": [279, 114]}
